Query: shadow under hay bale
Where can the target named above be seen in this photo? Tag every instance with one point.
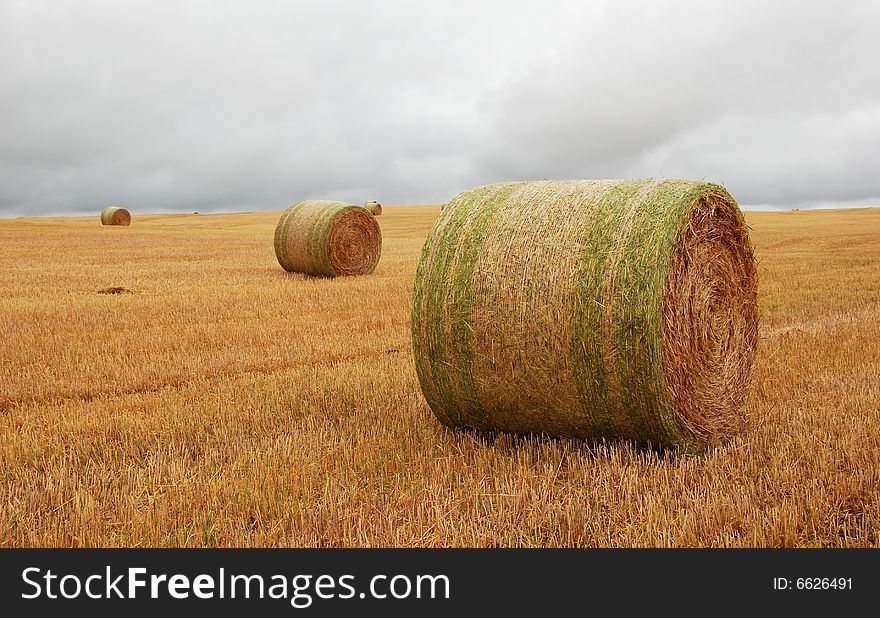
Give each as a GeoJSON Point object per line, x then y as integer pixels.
{"type": "Point", "coordinates": [617, 309]}
{"type": "Point", "coordinates": [329, 239]}
{"type": "Point", "coordinates": [114, 215]}
{"type": "Point", "coordinates": [115, 290]}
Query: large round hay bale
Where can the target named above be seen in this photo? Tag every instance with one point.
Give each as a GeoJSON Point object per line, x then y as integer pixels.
{"type": "Point", "coordinates": [374, 207]}
{"type": "Point", "coordinates": [114, 215]}
{"type": "Point", "coordinates": [325, 238]}
{"type": "Point", "coordinates": [617, 309]}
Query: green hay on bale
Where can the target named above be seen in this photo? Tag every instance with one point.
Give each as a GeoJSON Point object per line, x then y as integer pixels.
{"type": "Point", "coordinates": [114, 215]}
{"type": "Point", "coordinates": [607, 309]}
{"type": "Point", "coordinates": [328, 239]}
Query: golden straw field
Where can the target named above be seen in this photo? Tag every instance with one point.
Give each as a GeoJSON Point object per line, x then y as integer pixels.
{"type": "Point", "coordinates": [216, 399]}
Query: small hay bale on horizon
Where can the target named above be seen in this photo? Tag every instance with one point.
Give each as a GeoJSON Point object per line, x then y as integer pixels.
{"type": "Point", "coordinates": [615, 309]}
{"type": "Point", "coordinates": [327, 238]}
{"type": "Point", "coordinates": [374, 207]}
{"type": "Point", "coordinates": [114, 215]}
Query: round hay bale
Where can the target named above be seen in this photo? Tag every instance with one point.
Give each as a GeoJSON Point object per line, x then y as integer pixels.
{"type": "Point", "coordinates": [114, 215]}
{"type": "Point", "coordinates": [374, 207]}
{"type": "Point", "coordinates": [325, 238]}
{"type": "Point", "coordinates": [616, 309]}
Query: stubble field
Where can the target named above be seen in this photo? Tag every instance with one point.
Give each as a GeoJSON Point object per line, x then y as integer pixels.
{"type": "Point", "coordinates": [218, 400]}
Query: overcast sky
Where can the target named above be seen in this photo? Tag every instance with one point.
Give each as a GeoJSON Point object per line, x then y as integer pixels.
{"type": "Point", "coordinates": [210, 105]}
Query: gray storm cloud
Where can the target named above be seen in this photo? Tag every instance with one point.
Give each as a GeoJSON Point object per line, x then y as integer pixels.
{"type": "Point", "coordinates": [172, 106]}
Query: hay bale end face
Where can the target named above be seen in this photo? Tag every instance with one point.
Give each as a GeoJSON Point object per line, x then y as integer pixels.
{"type": "Point", "coordinates": [374, 207]}
{"type": "Point", "coordinates": [617, 309]}
{"type": "Point", "coordinates": [114, 215]}
{"type": "Point", "coordinates": [328, 239]}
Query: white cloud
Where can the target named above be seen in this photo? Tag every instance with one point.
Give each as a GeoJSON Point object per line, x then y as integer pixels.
{"type": "Point", "coordinates": [242, 105]}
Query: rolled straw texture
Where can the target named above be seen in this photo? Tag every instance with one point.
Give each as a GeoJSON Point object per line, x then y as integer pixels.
{"type": "Point", "coordinates": [606, 309]}
{"type": "Point", "coordinates": [113, 215]}
{"type": "Point", "coordinates": [328, 239]}
{"type": "Point", "coordinates": [374, 207]}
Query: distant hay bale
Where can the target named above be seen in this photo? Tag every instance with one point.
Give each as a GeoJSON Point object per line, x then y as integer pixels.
{"type": "Point", "coordinates": [114, 215]}
{"type": "Point", "coordinates": [327, 239]}
{"type": "Point", "coordinates": [374, 207]}
{"type": "Point", "coordinates": [617, 309]}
